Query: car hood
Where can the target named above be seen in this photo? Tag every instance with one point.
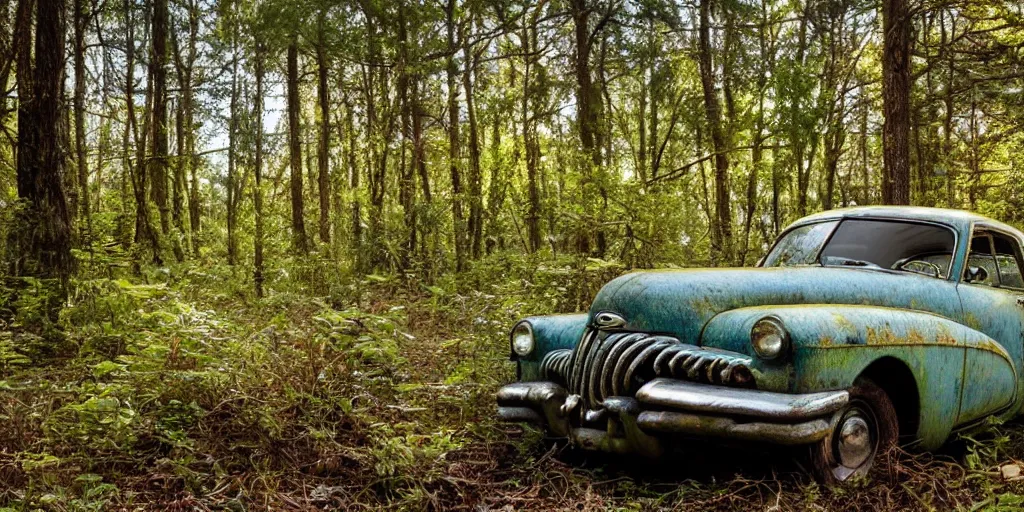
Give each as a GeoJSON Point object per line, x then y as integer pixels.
{"type": "Point", "coordinates": [680, 302]}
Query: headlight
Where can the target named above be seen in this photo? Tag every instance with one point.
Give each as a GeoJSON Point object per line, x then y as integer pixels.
{"type": "Point", "coordinates": [769, 338]}
{"type": "Point", "coordinates": [522, 339]}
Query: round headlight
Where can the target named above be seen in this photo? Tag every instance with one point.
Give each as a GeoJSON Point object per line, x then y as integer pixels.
{"type": "Point", "coordinates": [769, 338]}
{"type": "Point", "coordinates": [522, 339]}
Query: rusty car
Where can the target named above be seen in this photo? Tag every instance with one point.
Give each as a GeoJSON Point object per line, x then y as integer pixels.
{"type": "Point", "coordinates": [861, 328]}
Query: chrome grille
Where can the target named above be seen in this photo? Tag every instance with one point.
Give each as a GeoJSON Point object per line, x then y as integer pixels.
{"type": "Point", "coordinates": [555, 366]}
{"type": "Point", "coordinates": [617, 364]}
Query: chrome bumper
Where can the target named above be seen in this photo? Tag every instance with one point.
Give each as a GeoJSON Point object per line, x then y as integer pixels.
{"type": "Point", "coordinates": [666, 407]}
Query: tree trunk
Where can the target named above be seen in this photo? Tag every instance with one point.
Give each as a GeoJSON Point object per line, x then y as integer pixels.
{"type": "Point", "coordinates": [81, 13]}
{"type": "Point", "coordinates": [655, 108]}
{"type": "Point", "coordinates": [766, 66]}
{"type": "Point", "coordinates": [324, 148]}
{"type": "Point", "coordinates": [157, 164]}
{"type": "Point", "coordinates": [43, 233]}
{"type": "Point", "coordinates": [22, 44]}
{"type": "Point", "coordinates": [835, 79]}
{"type": "Point", "coordinates": [865, 168]}
{"type": "Point", "coordinates": [641, 117]}
{"type": "Point", "coordinates": [588, 119]}
{"type": "Point", "coordinates": [232, 178]}
{"type": "Point", "coordinates": [7, 55]}
{"type": "Point", "coordinates": [144, 231]}
{"type": "Point", "coordinates": [180, 156]}
{"type": "Point", "coordinates": [588, 98]}
{"type": "Point", "coordinates": [531, 146]}
{"type": "Point", "coordinates": [458, 226]}
{"type": "Point", "coordinates": [496, 190]}
{"type": "Point", "coordinates": [721, 232]}
{"type": "Point", "coordinates": [257, 189]}
{"type": "Point", "coordinates": [419, 144]}
{"type": "Point", "coordinates": [896, 101]}
{"type": "Point", "coordinates": [127, 175]}
{"type": "Point", "coordinates": [377, 153]}
{"type": "Point", "coordinates": [188, 160]}
{"type": "Point", "coordinates": [184, 164]}
{"type": "Point", "coordinates": [407, 90]}
{"type": "Point", "coordinates": [475, 174]}
{"type": "Point", "coordinates": [798, 135]}
{"type": "Point", "coordinates": [353, 177]}
{"type": "Point", "coordinates": [103, 149]}
{"type": "Point", "coordinates": [177, 182]}
{"type": "Point", "coordinates": [299, 244]}
{"type": "Point", "coordinates": [974, 160]}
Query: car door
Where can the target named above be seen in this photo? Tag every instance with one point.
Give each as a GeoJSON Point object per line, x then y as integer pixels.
{"type": "Point", "coordinates": [992, 295]}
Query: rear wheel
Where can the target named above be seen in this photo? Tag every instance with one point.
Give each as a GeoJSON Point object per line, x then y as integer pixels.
{"type": "Point", "coordinates": [862, 431]}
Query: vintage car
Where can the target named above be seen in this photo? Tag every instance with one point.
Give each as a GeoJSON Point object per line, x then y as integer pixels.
{"type": "Point", "coordinates": [860, 328]}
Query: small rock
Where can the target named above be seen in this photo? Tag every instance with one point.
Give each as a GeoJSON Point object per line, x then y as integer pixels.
{"type": "Point", "coordinates": [1010, 472]}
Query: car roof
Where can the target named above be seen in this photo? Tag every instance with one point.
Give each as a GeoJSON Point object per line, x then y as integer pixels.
{"type": "Point", "coordinates": [959, 219]}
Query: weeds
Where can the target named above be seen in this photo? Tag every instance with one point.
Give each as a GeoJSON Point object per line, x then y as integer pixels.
{"type": "Point", "coordinates": [184, 392]}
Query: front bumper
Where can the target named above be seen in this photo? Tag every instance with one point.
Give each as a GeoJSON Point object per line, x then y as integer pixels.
{"type": "Point", "coordinates": [668, 408]}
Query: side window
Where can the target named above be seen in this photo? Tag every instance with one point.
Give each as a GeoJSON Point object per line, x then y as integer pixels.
{"type": "Point", "coordinates": [1007, 253]}
{"type": "Point", "coordinates": [980, 258]}
{"type": "Point", "coordinates": [997, 256]}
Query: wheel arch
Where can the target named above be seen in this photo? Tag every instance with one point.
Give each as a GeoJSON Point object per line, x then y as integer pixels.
{"type": "Point", "coordinates": [895, 377]}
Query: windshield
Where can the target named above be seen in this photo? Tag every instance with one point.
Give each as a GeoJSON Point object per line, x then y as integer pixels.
{"type": "Point", "coordinates": [908, 246]}
{"type": "Point", "coordinates": [800, 246]}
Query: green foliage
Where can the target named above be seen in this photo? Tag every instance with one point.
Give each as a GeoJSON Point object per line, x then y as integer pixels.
{"type": "Point", "coordinates": [364, 377]}
{"type": "Point", "coordinates": [11, 356]}
{"type": "Point", "coordinates": [379, 393]}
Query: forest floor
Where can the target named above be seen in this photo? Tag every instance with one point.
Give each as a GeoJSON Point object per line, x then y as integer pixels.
{"type": "Point", "coordinates": [178, 390]}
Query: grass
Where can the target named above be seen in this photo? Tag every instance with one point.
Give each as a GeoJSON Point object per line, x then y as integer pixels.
{"type": "Point", "coordinates": [181, 391]}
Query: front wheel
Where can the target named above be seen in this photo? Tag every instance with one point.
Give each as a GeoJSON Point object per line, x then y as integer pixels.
{"type": "Point", "coordinates": [865, 428]}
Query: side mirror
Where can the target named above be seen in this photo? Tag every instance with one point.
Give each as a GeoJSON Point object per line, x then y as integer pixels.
{"type": "Point", "coordinates": [976, 274]}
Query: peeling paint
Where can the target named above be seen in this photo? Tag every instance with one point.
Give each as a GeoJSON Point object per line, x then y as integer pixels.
{"type": "Point", "coordinates": [961, 343]}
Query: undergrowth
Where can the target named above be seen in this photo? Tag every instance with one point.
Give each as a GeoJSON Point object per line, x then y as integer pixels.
{"type": "Point", "coordinates": [177, 389]}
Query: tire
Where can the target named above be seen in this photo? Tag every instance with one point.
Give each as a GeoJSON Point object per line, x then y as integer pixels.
{"type": "Point", "coordinates": [871, 430]}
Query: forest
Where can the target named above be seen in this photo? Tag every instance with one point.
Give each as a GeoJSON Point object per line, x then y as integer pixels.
{"type": "Point", "coordinates": [265, 254]}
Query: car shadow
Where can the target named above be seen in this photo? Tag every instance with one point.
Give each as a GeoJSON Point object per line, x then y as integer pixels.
{"type": "Point", "coordinates": [700, 461]}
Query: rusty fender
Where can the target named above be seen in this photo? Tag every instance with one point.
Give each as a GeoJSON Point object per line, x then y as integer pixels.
{"type": "Point", "coordinates": [552, 334]}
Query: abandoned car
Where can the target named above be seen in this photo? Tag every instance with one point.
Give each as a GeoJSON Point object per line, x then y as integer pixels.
{"type": "Point", "coordinates": [860, 327]}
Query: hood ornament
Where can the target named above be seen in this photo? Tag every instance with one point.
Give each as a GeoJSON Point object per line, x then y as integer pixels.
{"type": "Point", "coordinates": [606, 320]}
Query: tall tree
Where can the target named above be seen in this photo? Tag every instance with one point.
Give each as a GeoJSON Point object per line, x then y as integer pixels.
{"type": "Point", "coordinates": [380, 125]}
{"type": "Point", "coordinates": [324, 145]}
{"type": "Point", "coordinates": [589, 109]}
{"type": "Point", "coordinates": [6, 57]}
{"type": "Point", "coordinates": [896, 101]}
{"type": "Point", "coordinates": [81, 17]}
{"type": "Point", "coordinates": [233, 182]}
{"type": "Point", "coordinates": [257, 188]}
{"type": "Point", "coordinates": [721, 226]}
{"type": "Point", "coordinates": [144, 231]}
{"type": "Point", "coordinates": [43, 233]}
{"type": "Point", "coordinates": [531, 144]}
{"type": "Point", "coordinates": [157, 162]}
{"type": "Point", "coordinates": [466, 101]}
{"type": "Point", "coordinates": [454, 155]}
{"type": "Point", "coordinates": [299, 243]}
{"type": "Point", "coordinates": [476, 210]}
{"type": "Point", "coordinates": [353, 176]}
{"type": "Point", "coordinates": [186, 178]}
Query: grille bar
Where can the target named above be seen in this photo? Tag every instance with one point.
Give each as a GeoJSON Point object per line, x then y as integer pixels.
{"type": "Point", "coordinates": [555, 366]}
{"type": "Point", "coordinates": [604, 365]}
